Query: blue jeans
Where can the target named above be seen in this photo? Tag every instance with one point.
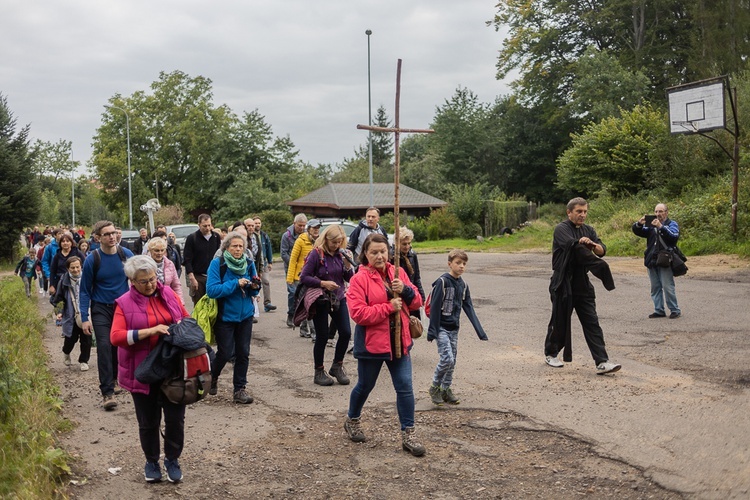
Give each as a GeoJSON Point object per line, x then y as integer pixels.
{"type": "Point", "coordinates": [233, 339]}
{"type": "Point", "coordinates": [662, 280]}
{"type": "Point", "coordinates": [368, 371]}
{"type": "Point", "coordinates": [447, 345]}
{"type": "Point", "coordinates": [290, 289]}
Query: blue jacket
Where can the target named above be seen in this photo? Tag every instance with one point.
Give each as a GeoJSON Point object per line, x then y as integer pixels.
{"type": "Point", "coordinates": [267, 248]}
{"type": "Point", "coordinates": [49, 253]}
{"type": "Point", "coordinates": [446, 302]}
{"type": "Point", "coordinates": [669, 232]}
{"type": "Point", "coordinates": [234, 305]}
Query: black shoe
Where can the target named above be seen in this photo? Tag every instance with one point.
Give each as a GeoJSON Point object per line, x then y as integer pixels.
{"type": "Point", "coordinates": [657, 315]}
{"type": "Point", "coordinates": [675, 315]}
{"type": "Point", "coordinates": [269, 307]}
{"type": "Point", "coordinates": [214, 387]}
{"type": "Point", "coordinates": [290, 321]}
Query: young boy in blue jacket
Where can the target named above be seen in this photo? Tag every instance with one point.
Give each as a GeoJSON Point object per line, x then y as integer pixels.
{"type": "Point", "coordinates": [450, 294]}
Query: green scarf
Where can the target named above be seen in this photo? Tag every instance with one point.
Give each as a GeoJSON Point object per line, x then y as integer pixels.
{"type": "Point", "coordinates": [237, 266]}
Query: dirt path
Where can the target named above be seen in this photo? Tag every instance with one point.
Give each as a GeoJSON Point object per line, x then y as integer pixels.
{"type": "Point", "coordinates": [669, 425]}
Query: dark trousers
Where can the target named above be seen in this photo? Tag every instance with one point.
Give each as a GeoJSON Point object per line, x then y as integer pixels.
{"type": "Point", "coordinates": [201, 291]}
{"type": "Point", "coordinates": [233, 340]}
{"type": "Point", "coordinates": [341, 320]}
{"type": "Point", "coordinates": [585, 308]}
{"type": "Point", "coordinates": [148, 409]}
{"type": "Point", "coordinates": [70, 342]}
{"type": "Point", "coordinates": [102, 316]}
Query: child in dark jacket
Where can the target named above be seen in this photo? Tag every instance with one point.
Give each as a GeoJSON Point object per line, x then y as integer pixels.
{"type": "Point", "coordinates": [26, 270]}
{"type": "Point", "coordinates": [450, 294]}
{"type": "Point", "coordinates": [67, 291]}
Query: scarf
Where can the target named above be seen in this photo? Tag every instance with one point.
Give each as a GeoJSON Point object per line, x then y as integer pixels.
{"type": "Point", "coordinates": [237, 266]}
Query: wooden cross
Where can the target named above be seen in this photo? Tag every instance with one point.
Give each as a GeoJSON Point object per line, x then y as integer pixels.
{"type": "Point", "coordinates": [397, 131]}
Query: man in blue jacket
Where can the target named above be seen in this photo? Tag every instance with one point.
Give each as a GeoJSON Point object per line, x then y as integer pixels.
{"type": "Point", "coordinates": [662, 234]}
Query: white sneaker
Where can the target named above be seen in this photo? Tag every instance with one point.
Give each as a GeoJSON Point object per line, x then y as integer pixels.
{"type": "Point", "coordinates": [84, 367]}
{"type": "Point", "coordinates": [66, 360]}
{"type": "Point", "coordinates": [607, 367]}
{"type": "Point", "coordinates": [554, 362]}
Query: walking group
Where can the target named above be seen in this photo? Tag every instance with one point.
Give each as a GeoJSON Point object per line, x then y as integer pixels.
{"type": "Point", "coordinates": [126, 299]}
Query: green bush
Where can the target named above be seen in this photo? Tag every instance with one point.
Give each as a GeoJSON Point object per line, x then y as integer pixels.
{"type": "Point", "coordinates": [419, 227]}
{"type": "Point", "coordinates": [471, 231]}
{"type": "Point", "coordinates": [442, 224]}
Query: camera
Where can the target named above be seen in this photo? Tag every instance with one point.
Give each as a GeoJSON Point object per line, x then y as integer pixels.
{"type": "Point", "coordinates": [256, 282]}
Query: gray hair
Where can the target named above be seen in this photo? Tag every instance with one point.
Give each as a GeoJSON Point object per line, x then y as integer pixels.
{"type": "Point", "coordinates": [232, 235]}
{"type": "Point", "coordinates": [138, 264]}
{"type": "Point", "coordinates": [405, 232]}
{"type": "Point", "coordinates": [155, 242]}
{"type": "Point", "coordinates": [576, 202]}
{"type": "Point", "coordinates": [300, 218]}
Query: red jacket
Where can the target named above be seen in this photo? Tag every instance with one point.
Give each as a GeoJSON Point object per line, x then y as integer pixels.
{"type": "Point", "coordinates": [370, 309]}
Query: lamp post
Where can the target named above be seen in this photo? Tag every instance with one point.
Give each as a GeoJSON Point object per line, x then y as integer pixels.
{"type": "Point", "coordinates": [73, 187]}
{"type": "Point", "coordinates": [130, 187]}
{"type": "Point", "coordinates": [369, 113]}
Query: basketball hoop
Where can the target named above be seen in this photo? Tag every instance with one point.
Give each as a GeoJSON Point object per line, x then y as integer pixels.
{"type": "Point", "coordinates": [688, 125]}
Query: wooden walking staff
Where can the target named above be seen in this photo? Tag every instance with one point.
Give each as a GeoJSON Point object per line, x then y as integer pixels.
{"type": "Point", "coordinates": [397, 131]}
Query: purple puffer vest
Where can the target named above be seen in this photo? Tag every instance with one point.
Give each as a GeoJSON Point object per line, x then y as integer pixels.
{"type": "Point", "coordinates": [134, 306]}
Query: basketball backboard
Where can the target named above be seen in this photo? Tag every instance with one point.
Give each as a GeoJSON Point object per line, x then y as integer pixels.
{"type": "Point", "coordinates": [697, 107]}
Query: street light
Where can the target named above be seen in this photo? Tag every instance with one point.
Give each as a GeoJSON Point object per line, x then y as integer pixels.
{"type": "Point", "coordinates": [73, 187]}
{"type": "Point", "coordinates": [130, 187]}
{"type": "Point", "coordinates": [369, 113]}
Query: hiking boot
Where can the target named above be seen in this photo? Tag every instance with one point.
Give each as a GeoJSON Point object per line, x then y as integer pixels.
{"type": "Point", "coordinates": [66, 359]}
{"type": "Point", "coordinates": [321, 377]}
{"type": "Point", "coordinates": [449, 397]}
{"type": "Point", "coordinates": [436, 394]}
{"type": "Point", "coordinates": [269, 307]}
{"type": "Point", "coordinates": [410, 443]}
{"type": "Point", "coordinates": [214, 387]}
{"type": "Point", "coordinates": [152, 472]}
{"type": "Point", "coordinates": [289, 321]}
{"type": "Point", "coordinates": [337, 372]}
{"type": "Point", "coordinates": [674, 315]}
{"type": "Point", "coordinates": [607, 367]}
{"type": "Point", "coordinates": [304, 330]}
{"type": "Point", "coordinates": [553, 362]}
{"type": "Point", "coordinates": [118, 389]}
{"type": "Point", "coordinates": [354, 429]}
{"type": "Point", "coordinates": [108, 402]}
{"type": "Point", "coordinates": [242, 397]}
{"type": "Point", "coordinates": [84, 367]}
{"type": "Point", "coordinates": [174, 473]}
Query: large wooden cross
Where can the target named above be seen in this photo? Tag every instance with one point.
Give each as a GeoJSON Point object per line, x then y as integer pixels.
{"type": "Point", "coordinates": [396, 131]}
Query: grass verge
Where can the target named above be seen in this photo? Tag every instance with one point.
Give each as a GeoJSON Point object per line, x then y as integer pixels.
{"type": "Point", "coordinates": [31, 464]}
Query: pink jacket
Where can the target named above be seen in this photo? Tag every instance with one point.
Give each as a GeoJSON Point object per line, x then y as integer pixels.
{"type": "Point", "coordinates": [171, 279]}
{"type": "Point", "coordinates": [370, 308]}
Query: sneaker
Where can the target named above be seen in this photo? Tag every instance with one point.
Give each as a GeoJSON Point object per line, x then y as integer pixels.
{"type": "Point", "coordinates": [449, 397]}
{"type": "Point", "coordinates": [553, 362]}
{"type": "Point", "coordinates": [269, 307]}
{"type": "Point", "coordinates": [108, 402]}
{"type": "Point", "coordinates": [84, 367]}
{"type": "Point", "coordinates": [657, 315]}
{"type": "Point", "coordinates": [337, 372]}
{"type": "Point", "coordinates": [118, 389]}
{"type": "Point", "coordinates": [607, 367]}
{"type": "Point", "coordinates": [289, 321]}
{"type": "Point", "coordinates": [152, 472]}
{"type": "Point", "coordinates": [66, 360]}
{"type": "Point", "coordinates": [410, 443]}
{"type": "Point", "coordinates": [354, 430]}
{"type": "Point", "coordinates": [304, 330]}
{"type": "Point", "coordinates": [174, 473]}
{"type": "Point", "coordinates": [242, 397]}
{"type": "Point", "coordinates": [674, 315]}
{"type": "Point", "coordinates": [214, 386]}
{"type": "Point", "coordinates": [322, 378]}
{"type": "Point", "coordinates": [436, 394]}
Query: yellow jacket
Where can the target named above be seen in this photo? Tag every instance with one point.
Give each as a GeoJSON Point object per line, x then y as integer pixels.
{"type": "Point", "coordinates": [302, 247]}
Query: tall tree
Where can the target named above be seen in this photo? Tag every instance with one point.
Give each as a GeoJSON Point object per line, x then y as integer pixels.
{"type": "Point", "coordinates": [53, 162]}
{"type": "Point", "coordinates": [19, 190]}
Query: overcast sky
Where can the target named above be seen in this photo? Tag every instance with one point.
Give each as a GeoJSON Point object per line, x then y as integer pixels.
{"type": "Point", "coordinates": [301, 63]}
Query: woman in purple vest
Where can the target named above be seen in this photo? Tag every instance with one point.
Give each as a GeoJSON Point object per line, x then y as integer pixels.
{"type": "Point", "coordinates": [142, 315]}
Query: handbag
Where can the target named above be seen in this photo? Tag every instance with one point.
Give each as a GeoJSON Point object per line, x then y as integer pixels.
{"type": "Point", "coordinates": [664, 258]}
{"type": "Point", "coordinates": [415, 327]}
{"type": "Point", "coordinates": [672, 258]}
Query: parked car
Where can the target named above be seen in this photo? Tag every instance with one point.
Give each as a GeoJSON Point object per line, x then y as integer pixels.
{"type": "Point", "coordinates": [181, 231]}
{"type": "Point", "coordinates": [130, 235]}
{"type": "Point", "coordinates": [348, 225]}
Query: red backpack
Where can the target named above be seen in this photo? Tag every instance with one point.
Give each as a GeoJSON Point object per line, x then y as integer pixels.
{"type": "Point", "coordinates": [429, 299]}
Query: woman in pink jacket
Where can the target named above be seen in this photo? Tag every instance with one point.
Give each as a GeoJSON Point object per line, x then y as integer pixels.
{"type": "Point", "coordinates": [373, 306]}
{"type": "Point", "coordinates": [165, 270]}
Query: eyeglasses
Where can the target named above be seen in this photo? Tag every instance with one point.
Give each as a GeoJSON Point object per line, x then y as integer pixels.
{"type": "Point", "coordinates": [107, 235]}
{"type": "Point", "coordinates": [149, 281]}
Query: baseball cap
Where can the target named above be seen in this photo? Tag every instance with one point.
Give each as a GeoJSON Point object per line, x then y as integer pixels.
{"type": "Point", "coordinates": [313, 223]}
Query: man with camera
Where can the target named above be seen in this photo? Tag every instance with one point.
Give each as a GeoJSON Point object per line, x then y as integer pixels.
{"type": "Point", "coordinates": [661, 233]}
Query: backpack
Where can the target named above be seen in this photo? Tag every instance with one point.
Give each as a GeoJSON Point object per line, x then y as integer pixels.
{"type": "Point", "coordinates": [429, 297]}
{"type": "Point", "coordinates": [98, 262]}
{"type": "Point", "coordinates": [191, 383]}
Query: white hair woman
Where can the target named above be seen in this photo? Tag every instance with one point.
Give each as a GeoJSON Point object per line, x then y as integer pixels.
{"type": "Point", "coordinates": [232, 282]}
{"type": "Point", "coordinates": [142, 315]}
{"type": "Point", "coordinates": [166, 272]}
